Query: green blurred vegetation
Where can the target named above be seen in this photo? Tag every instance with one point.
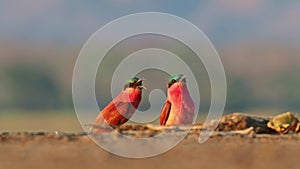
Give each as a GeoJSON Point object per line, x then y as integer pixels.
{"type": "Point", "coordinates": [239, 95]}
{"type": "Point", "coordinates": [47, 85]}
{"type": "Point", "coordinates": [31, 87]}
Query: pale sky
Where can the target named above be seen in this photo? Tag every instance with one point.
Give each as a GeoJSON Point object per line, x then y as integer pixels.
{"type": "Point", "coordinates": [225, 21]}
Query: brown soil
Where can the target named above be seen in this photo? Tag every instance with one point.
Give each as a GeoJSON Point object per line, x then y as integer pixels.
{"type": "Point", "coordinates": [223, 150]}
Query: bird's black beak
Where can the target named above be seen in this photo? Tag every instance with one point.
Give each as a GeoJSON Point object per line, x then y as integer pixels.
{"type": "Point", "coordinates": [142, 87]}
{"type": "Point", "coordinates": [139, 82]}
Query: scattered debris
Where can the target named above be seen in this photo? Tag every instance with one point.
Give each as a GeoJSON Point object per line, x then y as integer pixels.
{"type": "Point", "coordinates": [284, 123]}
{"type": "Point", "coordinates": [39, 136]}
{"type": "Point", "coordinates": [239, 121]}
{"type": "Point", "coordinates": [229, 125]}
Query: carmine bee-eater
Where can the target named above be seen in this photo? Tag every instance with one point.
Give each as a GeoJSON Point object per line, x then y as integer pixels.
{"type": "Point", "coordinates": [120, 109]}
{"type": "Point", "coordinates": [179, 108]}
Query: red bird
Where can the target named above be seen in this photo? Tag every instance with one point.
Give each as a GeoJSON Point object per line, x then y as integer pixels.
{"type": "Point", "coordinates": [179, 108]}
{"type": "Point", "coordinates": [120, 109]}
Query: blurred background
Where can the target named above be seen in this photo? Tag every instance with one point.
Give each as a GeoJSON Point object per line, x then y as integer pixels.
{"type": "Point", "coordinates": [257, 40]}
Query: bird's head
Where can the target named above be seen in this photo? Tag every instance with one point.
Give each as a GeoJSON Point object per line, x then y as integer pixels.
{"type": "Point", "coordinates": [134, 82]}
{"type": "Point", "coordinates": [176, 79]}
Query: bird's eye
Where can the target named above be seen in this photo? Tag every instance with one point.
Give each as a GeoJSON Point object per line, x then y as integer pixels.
{"type": "Point", "coordinates": [171, 83]}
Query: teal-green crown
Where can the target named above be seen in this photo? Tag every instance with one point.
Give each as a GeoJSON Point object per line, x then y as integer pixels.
{"type": "Point", "coordinates": [132, 80]}
{"type": "Point", "coordinates": [175, 78]}
{"type": "Point", "coordinates": [134, 83]}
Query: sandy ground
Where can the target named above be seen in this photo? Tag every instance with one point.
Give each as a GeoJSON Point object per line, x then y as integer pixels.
{"type": "Point", "coordinates": [78, 151]}
{"type": "Point", "coordinates": [74, 149]}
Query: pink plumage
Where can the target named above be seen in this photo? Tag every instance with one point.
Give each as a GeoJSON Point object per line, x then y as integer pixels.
{"type": "Point", "coordinates": [179, 108]}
